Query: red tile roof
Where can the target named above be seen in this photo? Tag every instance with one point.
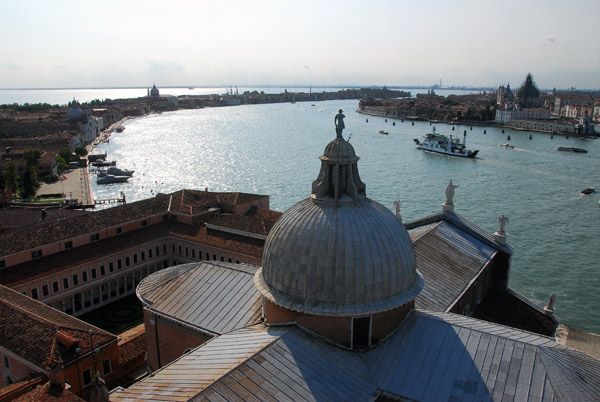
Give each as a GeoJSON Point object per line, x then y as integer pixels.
{"type": "Point", "coordinates": [41, 334]}
{"type": "Point", "coordinates": [49, 393]}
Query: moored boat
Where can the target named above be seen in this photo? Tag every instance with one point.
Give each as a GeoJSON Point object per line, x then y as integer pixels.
{"type": "Point", "coordinates": [108, 179]}
{"type": "Point", "coordinates": [446, 145]}
{"type": "Point", "coordinates": [104, 163]}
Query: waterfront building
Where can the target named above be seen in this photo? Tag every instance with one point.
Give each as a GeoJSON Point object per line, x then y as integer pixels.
{"type": "Point", "coordinates": [82, 262]}
{"type": "Point", "coordinates": [356, 305]}
{"type": "Point", "coordinates": [527, 111]}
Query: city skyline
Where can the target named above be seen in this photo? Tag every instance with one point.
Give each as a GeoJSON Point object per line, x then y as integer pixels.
{"type": "Point", "coordinates": [69, 44]}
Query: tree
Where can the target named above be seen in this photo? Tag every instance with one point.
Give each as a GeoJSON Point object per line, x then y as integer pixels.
{"type": "Point", "coordinates": [60, 163]}
{"type": "Point", "coordinates": [32, 157]}
{"type": "Point", "coordinates": [66, 154]}
{"type": "Point", "coordinates": [29, 183]}
{"type": "Point", "coordinates": [81, 151]}
{"type": "Point", "coordinates": [10, 173]}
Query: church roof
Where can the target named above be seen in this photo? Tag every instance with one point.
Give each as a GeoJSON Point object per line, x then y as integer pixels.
{"type": "Point", "coordinates": [432, 356]}
{"type": "Point", "coordinates": [528, 89]}
{"type": "Point", "coordinates": [338, 252]}
{"type": "Point", "coordinates": [215, 297]}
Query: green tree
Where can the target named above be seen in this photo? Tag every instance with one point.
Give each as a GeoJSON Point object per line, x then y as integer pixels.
{"type": "Point", "coordinates": [30, 183]}
{"type": "Point", "coordinates": [81, 151]}
{"type": "Point", "coordinates": [60, 163]}
{"type": "Point", "coordinates": [66, 154]}
{"type": "Point", "coordinates": [2, 181]}
{"type": "Point", "coordinates": [10, 173]}
{"type": "Point", "coordinates": [32, 157]}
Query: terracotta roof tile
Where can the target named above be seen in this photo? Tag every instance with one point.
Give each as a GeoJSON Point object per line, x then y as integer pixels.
{"type": "Point", "coordinates": [15, 218]}
{"type": "Point", "coordinates": [41, 334]}
{"type": "Point", "coordinates": [49, 393]}
{"type": "Point", "coordinates": [132, 344]}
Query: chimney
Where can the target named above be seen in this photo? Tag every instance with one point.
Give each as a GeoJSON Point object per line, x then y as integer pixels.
{"type": "Point", "coordinates": [8, 150]}
{"type": "Point", "coordinates": [57, 375]}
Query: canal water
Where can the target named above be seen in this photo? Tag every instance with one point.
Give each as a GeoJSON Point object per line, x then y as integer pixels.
{"type": "Point", "coordinates": [273, 149]}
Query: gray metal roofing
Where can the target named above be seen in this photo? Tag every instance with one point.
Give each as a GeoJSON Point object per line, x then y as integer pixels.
{"type": "Point", "coordinates": [448, 258]}
{"type": "Point", "coordinates": [432, 356]}
{"type": "Point", "coordinates": [216, 297]}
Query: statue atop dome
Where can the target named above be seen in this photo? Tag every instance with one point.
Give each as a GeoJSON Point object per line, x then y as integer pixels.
{"type": "Point", "coordinates": [339, 123]}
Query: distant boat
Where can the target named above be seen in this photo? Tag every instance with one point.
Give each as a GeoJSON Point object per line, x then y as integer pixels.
{"type": "Point", "coordinates": [383, 132]}
{"type": "Point", "coordinates": [115, 171]}
{"type": "Point", "coordinates": [572, 149]}
{"type": "Point", "coordinates": [588, 190]}
{"type": "Point", "coordinates": [442, 144]}
{"type": "Point", "coordinates": [120, 129]}
{"type": "Point", "coordinates": [108, 179]}
{"type": "Point", "coordinates": [507, 146]}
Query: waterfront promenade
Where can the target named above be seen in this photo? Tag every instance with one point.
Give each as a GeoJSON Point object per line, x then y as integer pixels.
{"type": "Point", "coordinates": [75, 186]}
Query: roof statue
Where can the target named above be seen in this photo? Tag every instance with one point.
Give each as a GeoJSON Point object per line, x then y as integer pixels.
{"type": "Point", "coordinates": [339, 123]}
{"type": "Point", "coordinates": [502, 220]}
{"type": "Point", "coordinates": [450, 193]}
{"type": "Point", "coordinates": [397, 204]}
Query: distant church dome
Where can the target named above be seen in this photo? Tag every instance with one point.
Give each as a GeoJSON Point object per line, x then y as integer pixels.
{"type": "Point", "coordinates": [338, 253]}
{"type": "Point", "coordinates": [154, 91]}
{"type": "Point", "coordinates": [528, 95]}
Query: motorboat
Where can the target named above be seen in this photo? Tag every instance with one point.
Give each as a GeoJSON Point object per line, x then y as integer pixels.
{"type": "Point", "coordinates": [120, 129]}
{"type": "Point", "coordinates": [507, 146]}
{"type": "Point", "coordinates": [115, 171]}
{"type": "Point", "coordinates": [588, 190]}
{"type": "Point", "coordinates": [446, 145]}
{"type": "Point", "coordinates": [108, 179]}
{"type": "Point", "coordinates": [383, 132]}
{"type": "Point", "coordinates": [104, 163]}
{"type": "Point", "coordinates": [572, 149]}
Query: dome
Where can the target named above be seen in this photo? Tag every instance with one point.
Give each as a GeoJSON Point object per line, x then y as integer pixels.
{"type": "Point", "coordinates": [154, 91]}
{"type": "Point", "coordinates": [338, 252]}
{"type": "Point", "coordinates": [528, 91]}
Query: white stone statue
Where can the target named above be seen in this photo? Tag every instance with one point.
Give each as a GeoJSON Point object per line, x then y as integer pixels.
{"type": "Point", "coordinates": [450, 193]}
{"type": "Point", "coordinates": [551, 301]}
{"type": "Point", "coordinates": [397, 206]}
{"type": "Point", "coordinates": [501, 223]}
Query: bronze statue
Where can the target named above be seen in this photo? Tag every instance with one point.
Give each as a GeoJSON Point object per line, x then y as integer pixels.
{"type": "Point", "coordinates": [339, 123]}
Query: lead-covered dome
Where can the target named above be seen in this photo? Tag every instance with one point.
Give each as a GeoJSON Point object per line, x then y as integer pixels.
{"type": "Point", "coordinates": [338, 252]}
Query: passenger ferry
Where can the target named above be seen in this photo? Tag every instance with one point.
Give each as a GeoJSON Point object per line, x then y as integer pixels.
{"type": "Point", "coordinates": [442, 144]}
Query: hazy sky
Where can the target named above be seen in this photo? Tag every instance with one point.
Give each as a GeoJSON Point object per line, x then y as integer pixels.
{"type": "Point", "coordinates": [49, 44]}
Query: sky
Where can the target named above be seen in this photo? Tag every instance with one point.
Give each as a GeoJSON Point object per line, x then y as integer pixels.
{"type": "Point", "coordinates": [83, 44]}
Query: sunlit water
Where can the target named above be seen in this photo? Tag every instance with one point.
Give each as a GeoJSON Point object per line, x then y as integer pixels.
{"type": "Point", "coordinates": [273, 149]}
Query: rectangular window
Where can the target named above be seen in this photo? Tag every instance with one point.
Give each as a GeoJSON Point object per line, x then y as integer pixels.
{"type": "Point", "coordinates": [165, 217]}
{"type": "Point", "coordinates": [106, 366]}
{"type": "Point", "coordinates": [193, 253]}
{"type": "Point", "coordinates": [119, 264]}
{"type": "Point", "coordinates": [55, 288]}
{"type": "Point", "coordinates": [84, 276]}
{"type": "Point", "coordinates": [179, 249]}
{"type": "Point", "coordinates": [5, 362]}
{"type": "Point", "coordinates": [87, 377]}
{"type": "Point", "coordinates": [68, 245]}
{"type": "Point", "coordinates": [135, 258]}
{"type": "Point", "coordinates": [143, 255]}
{"type": "Point", "coordinates": [200, 255]}
{"type": "Point", "coordinates": [102, 270]}
{"type": "Point", "coordinates": [361, 328]}
{"type": "Point", "coordinates": [36, 254]}
{"type": "Point", "coordinates": [229, 260]}
{"type": "Point", "coordinates": [174, 218]}
{"type": "Point", "coordinates": [214, 257]}
{"type": "Point", "coordinates": [2, 264]}
{"type": "Point", "coordinates": [237, 261]}
{"type": "Point", "coordinates": [207, 257]}
{"type": "Point", "coordinates": [119, 230]}
{"type": "Point", "coordinates": [164, 249]}
{"type": "Point", "coordinates": [149, 253]}
{"type": "Point", "coordinates": [45, 290]}
{"type": "Point", "coordinates": [144, 223]}
{"type": "Point", "coordinates": [126, 261]}
{"type": "Point", "coordinates": [157, 251]}
{"type": "Point", "coordinates": [111, 267]}
{"type": "Point", "coordinates": [187, 252]}
{"type": "Point", "coordinates": [66, 282]}
{"type": "Point", "coordinates": [93, 273]}
{"type": "Point", "coordinates": [95, 237]}
{"type": "Point", "coordinates": [75, 280]}
{"type": "Point", "coordinates": [34, 293]}
{"type": "Point", "coordinates": [222, 259]}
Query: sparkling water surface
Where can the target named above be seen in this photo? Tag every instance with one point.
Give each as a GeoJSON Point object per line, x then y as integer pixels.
{"type": "Point", "coordinates": [273, 149]}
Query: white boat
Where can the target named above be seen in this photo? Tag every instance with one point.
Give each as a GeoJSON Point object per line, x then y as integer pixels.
{"type": "Point", "coordinates": [383, 132]}
{"type": "Point", "coordinates": [442, 144]}
{"type": "Point", "coordinates": [507, 146]}
{"type": "Point", "coordinates": [115, 171]}
{"type": "Point", "coordinates": [120, 129]}
{"type": "Point", "coordinates": [104, 163]}
{"type": "Point", "coordinates": [108, 179]}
